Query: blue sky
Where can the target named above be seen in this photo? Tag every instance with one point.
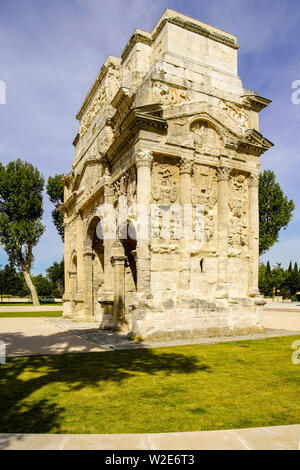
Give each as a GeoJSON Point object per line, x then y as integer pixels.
{"type": "Point", "coordinates": [50, 53]}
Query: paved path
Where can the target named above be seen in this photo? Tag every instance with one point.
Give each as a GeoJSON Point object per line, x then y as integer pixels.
{"type": "Point", "coordinates": [269, 438]}
{"type": "Point", "coordinates": [282, 319]}
{"type": "Point", "coordinates": [282, 306]}
{"type": "Point", "coordinates": [42, 336]}
{"type": "Point", "coordinates": [30, 336]}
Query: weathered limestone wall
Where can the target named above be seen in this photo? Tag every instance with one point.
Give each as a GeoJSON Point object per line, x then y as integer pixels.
{"type": "Point", "coordinates": [167, 129]}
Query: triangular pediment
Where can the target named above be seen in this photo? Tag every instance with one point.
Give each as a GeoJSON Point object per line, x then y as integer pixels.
{"type": "Point", "coordinates": [258, 139]}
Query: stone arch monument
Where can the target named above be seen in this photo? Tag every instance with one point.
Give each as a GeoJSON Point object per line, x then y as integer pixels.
{"type": "Point", "coordinates": [167, 160]}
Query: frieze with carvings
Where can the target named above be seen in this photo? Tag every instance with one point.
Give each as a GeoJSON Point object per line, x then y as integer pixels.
{"type": "Point", "coordinates": [92, 111]}
{"type": "Point", "coordinates": [235, 114]}
{"type": "Point", "coordinates": [207, 139]}
{"type": "Point", "coordinates": [169, 95]}
{"type": "Point", "coordinates": [165, 182]}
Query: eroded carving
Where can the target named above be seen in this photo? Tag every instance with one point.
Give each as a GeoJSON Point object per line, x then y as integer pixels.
{"type": "Point", "coordinates": [206, 137]}
{"type": "Point", "coordinates": [165, 182]}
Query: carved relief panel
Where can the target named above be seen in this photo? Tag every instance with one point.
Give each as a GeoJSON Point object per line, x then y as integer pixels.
{"type": "Point", "coordinates": [169, 95]}
{"type": "Point", "coordinates": [165, 181]}
{"type": "Point", "coordinates": [92, 111]}
{"type": "Point", "coordinates": [204, 193]}
{"type": "Point", "coordinates": [238, 216]}
{"type": "Point", "coordinates": [126, 185]}
{"type": "Point", "coordinates": [206, 138]}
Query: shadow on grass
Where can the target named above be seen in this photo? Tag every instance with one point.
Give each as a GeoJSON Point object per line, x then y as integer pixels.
{"type": "Point", "coordinates": [23, 376]}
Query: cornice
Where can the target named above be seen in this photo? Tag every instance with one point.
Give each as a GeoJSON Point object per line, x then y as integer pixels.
{"type": "Point", "coordinates": [135, 121]}
{"type": "Point", "coordinates": [111, 61]}
{"type": "Point", "coordinates": [182, 22]}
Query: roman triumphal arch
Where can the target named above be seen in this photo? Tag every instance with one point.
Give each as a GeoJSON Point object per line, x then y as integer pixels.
{"type": "Point", "coordinates": [161, 202]}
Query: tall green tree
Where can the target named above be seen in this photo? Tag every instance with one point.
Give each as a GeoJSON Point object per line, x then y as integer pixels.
{"type": "Point", "coordinates": [12, 283]}
{"type": "Point", "coordinates": [275, 210]}
{"type": "Point", "coordinates": [55, 191]}
{"type": "Point", "coordinates": [56, 274]}
{"type": "Point", "coordinates": [21, 209]}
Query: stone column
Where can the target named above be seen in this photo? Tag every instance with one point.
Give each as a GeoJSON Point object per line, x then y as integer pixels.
{"type": "Point", "coordinates": [223, 174]}
{"type": "Point", "coordinates": [79, 249]}
{"type": "Point", "coordinates": [67, 257]}
{"type": "Point", "coordinates": [185, 200]}
{"type": "Point", "coordinates": [73, 285]}
{"type": "Point", "coordinates": [67, 308]}
{"type": "Point", "coordinates": [143, 165]}
{"type": "Point", "coordinates": [118, 263]}
{"type": "Point", "coordinates": [108, 241]}
{"type": "Point", "coordinates": [253, 235]}
{"type": "Point", "coordinates": [88, 280]}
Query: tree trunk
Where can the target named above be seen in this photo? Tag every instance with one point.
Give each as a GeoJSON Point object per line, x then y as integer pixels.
{"type": "Point", "coordinates": [32, 288]}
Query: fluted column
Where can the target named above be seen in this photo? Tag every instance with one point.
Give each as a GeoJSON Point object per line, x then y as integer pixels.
{"type": "Point", "coordinates": [108, 240]}
{"type": "Point", "coordinates": [67, 257]}
{"type": "Point", "coordinates": [88, 280]}
{"type": "Point", "coordinates": [253, 234]}
{"type": "Point", "coordinates": [143, 164]}
{"type": "Point", "coordinates": [223, 174]}
{"type": "Point", "coordinates": [118, 263]}
{"type": "Point", "coordinates": [79, 249]}
{"type": "Point", "coordinates": [185, 199]}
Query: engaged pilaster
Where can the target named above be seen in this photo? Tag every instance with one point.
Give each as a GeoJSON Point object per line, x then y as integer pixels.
{"type": "Point", "coordinates": [185, 199]}
{"type": "Point", "coordinates": [79, 249]}
{"type": "Point", "coordinates": [223, 174]}
{"type": "Point", "coordinates": [108, 242]}
{"type": "Point", "coordinates": [143, 164]}
{"type": "Point", "coordinates": [67, 259]}
{"type": "Point", "coordinates": [253, 235]}
{"type": "Point", "coordinates": [118, 263]}
{"type": "Point", "coordinates": [88, 257]}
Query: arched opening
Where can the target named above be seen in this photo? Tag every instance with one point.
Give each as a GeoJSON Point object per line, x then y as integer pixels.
{"type": "Point", "coordinates": [94, 242]}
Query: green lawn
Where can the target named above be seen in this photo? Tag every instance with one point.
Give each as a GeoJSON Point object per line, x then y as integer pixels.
{"type": "Point", "coordinates": [29, 314]}
{"type": "Point", "coordinates": [185, 388]}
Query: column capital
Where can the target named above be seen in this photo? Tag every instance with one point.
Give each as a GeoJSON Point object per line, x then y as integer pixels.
{"type": "Point", "coordinates": [223, 173]}
{"type": "Point", "coordinates": [118, 260]}
{"type": "Point", "coordinates": [254, 180]}
{"type": "Point", "coordinates": [88, 255]}
{"type": "Point", "coordinates": [143, 158]}
{"type": "Point", "coordinates": [185, 166]}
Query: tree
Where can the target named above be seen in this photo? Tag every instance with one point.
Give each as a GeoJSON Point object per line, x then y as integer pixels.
{"type": "Point", "coordinates": [56, 274]}
{"type": "Point", "coordinates": [12, 283]}
{"type": "Point", "coordinates": [21, 209]}
{"type": "Point", "coordinates": [43, 286]}
{"type": "Point", "coordinates": [275, 210]}
{"type": "Point", "coordinates": [55, 191]}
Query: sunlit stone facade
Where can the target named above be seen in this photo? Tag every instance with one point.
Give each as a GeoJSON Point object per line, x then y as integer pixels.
{"type": "Point", "coordinates": [168, 132]}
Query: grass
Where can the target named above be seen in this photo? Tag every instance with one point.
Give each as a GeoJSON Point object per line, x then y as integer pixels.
{"type": "Point", "coordinates": [184, 388]}
{"type": "Point", "coordinates": [30, 314]}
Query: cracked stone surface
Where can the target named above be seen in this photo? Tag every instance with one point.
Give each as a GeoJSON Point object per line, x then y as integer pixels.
{"type": "Point", "coordinates": [267, 438]}
{"type": "Point", "coordinates": [114, 340]}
